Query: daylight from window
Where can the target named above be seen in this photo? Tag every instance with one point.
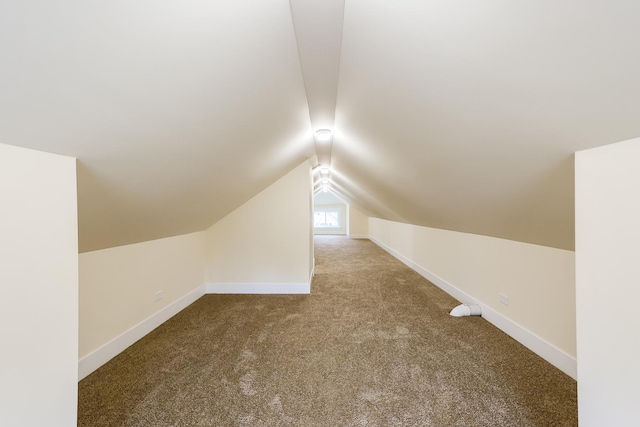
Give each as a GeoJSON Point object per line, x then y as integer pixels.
{"type": "Point", "coordinates": [327, 219]}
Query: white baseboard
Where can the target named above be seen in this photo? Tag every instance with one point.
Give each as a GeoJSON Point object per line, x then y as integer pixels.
{"type": "Point", "coordinates": [533, 342]}
{"type": "Point", "coordinates": [436, 280]}
{"type": "Point", "coordinates": [358, 236]}
{"type": "Point", "coordinates": [541, 347]}
{"type": "Point", "coordinates": [258, 288]}
{"type": "Point", "coordinates": [108, 351]}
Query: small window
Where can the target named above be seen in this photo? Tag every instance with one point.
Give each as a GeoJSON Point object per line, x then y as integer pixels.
{"type": "Point", "coordinates": [327, 219]}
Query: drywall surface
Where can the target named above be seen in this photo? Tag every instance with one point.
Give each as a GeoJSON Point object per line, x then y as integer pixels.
{"type": "Point", "coordinates": [607, 284]}
{"type": "Point", "coordinates": [119, 286]}
{"type": "Point", "coordinates": [358, 223]}
{"type": "Point", "coordinates": [310, 247]}
{"type": "Point", "coordinates": [538, 281]}
{"type": "Point", "coordinates": [39, 285]}
{"type": "Point", "coordinates": [329, 202]}
{"type": "Point", "coordinates": [266, 240]}
{"type": "Point", "coordinates": [341, 211]}
{"type": "Point", "coordinates": [327, 198]}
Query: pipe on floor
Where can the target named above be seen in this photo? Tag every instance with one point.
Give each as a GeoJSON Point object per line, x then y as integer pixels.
{"type": "Point", "coordinates": [464, 310]}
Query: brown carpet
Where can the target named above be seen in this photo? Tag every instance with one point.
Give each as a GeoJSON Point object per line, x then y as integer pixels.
{"type": "Point", "coordinates": [373, 345]}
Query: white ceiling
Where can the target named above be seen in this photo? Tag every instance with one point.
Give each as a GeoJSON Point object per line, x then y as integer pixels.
{"type": "Point", "coordinates": [454, 114]}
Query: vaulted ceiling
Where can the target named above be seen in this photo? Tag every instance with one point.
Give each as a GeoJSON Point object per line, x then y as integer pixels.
{"type": "Point", "coordinates": [462, 115]}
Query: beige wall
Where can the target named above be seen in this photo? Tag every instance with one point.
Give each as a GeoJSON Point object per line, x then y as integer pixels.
{"type": "Point", "coordinates": [310, 247]}
{"type": "Point", "coordinates": [39, 285]}
{"type": "Point", "coordinates": [539, 281]}
{"type": "Point", "coordinates": [608, 284]}
{"type": "Point", "coordinates": [267, 240]}
{"type": "Point", "coordinates": [358, 223]}
{"type": "Point", "coordinates": [118, 285]}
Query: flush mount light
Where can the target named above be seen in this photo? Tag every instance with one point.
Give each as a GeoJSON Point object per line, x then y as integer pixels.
{"type": "Point", "coordinates": [323, 134]}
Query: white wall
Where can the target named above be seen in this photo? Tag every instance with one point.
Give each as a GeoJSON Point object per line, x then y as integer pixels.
{"type": "Point", "coordinates": [355, 224]}
{"type": "Point", "coordinates": [118, 289]}
{"type": "Point", "coordinates": [539, 282]}
{"type": "Point", "coordinates": [327, 201]}
{"type": "Point", "coordinates": [39, 285]}
{"type": "Point", "coordinates": [608, 284]}
{"type": "Point", "coordinates": [358, 223]}
{"type": "Point", "coordinates": [327, 198]}
{"type": "Point", "coordinates": [342, 215]}
{"type": "Point", "coordinates": [265, 244]}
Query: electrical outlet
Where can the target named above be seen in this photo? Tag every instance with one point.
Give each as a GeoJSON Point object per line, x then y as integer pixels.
{"type": "Point", "coordinates": [157, 296]}
{"type": "Point", "coordinates": [503, 299]}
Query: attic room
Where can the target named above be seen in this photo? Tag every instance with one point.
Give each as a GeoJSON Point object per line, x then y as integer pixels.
{"type": "Point", "coordinates": [152, 153]}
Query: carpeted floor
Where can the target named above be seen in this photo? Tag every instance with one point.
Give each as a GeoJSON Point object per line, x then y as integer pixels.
{"type": "Point", "coordinates": [373, 345]}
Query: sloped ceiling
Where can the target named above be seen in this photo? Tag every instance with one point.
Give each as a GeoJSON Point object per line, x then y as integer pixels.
{"type": "Point", "coordinates": [465, 115]}
{"type": "Point", "coordinates": [178, 111]}
{"type": "Point", "coordinates": [461, 115]}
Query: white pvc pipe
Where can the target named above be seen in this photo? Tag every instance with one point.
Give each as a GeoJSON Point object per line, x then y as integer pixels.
{"type": "Point", "coordinates": [464, 310]}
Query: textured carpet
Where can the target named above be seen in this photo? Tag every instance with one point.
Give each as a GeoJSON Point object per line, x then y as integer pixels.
{"type": "Point", "coordinates": [373, 345]}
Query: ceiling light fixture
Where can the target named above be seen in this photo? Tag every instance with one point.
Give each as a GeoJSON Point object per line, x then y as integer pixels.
{"type": "Point", "coordinates": [323, 134]}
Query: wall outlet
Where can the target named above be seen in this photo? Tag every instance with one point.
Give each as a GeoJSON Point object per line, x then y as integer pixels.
{"type": "Point", "coordinates": [157, 296]}
{"type": "Point", "coordinates": [503, 299]}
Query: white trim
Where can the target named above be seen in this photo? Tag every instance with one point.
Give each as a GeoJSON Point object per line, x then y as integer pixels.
{"type": "Point", "coordinates": [108, 351]}
{"type": "Point", "coordinates": [111, 349]}
{"type": "Point", "coordinates": [258, 288]}
{"type": "Point", "coordinates": [358, 236]}
{"type": "Point", "coordinates": [533, 342]}
{"type": "Point", "coordinates": [329, 232]}
{"type": "Point", "coordinates": [343, 219]}
{"type": "Point", "coordinates": [541, 347]}
{"type": "Point", "coordinates": [312, 274]}
{"type": "Point", "coordinates": [461, 296]}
